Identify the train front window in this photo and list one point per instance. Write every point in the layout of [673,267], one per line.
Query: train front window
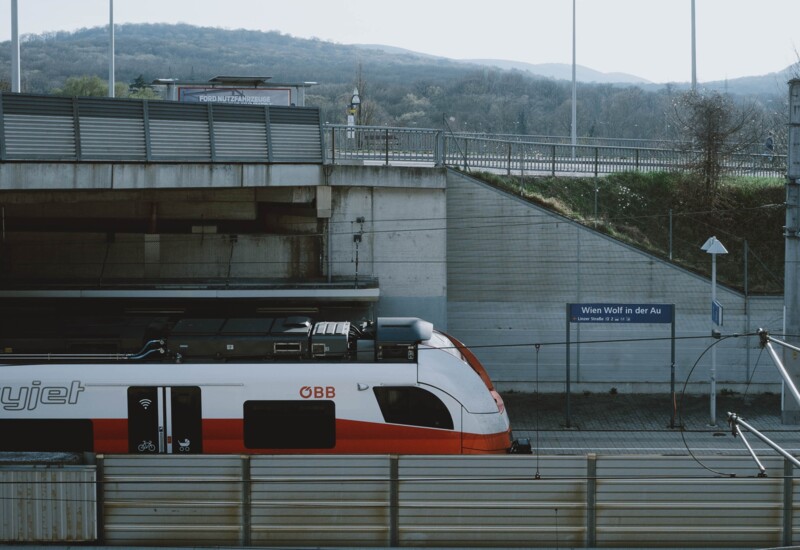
[289,424]
[442,342]
[412,406]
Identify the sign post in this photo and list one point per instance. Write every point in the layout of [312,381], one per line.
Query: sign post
[616,313]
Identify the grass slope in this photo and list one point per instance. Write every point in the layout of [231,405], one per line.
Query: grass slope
[664,214]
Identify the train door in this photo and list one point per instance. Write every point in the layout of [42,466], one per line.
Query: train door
[164,419]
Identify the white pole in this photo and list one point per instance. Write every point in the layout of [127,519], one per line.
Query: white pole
[110,48]
[694,52]
[15,72]
[713,420]
[574,132]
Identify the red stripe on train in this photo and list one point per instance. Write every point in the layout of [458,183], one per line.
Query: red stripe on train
[223,436]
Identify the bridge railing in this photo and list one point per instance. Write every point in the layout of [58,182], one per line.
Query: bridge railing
[387,145]
[50,128]
[382,144]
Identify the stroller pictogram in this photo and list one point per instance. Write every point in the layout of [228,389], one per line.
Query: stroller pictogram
[183,446]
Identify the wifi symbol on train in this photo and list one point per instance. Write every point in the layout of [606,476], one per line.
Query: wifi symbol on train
[145,403]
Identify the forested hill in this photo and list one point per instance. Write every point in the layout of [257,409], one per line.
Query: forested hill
[397,88]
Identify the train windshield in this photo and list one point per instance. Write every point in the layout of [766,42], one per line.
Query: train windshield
[451,345]
[442,342]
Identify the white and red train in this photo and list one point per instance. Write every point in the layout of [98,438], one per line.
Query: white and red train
[261,386]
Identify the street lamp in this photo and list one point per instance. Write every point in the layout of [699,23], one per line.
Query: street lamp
[713,246]
[574,126]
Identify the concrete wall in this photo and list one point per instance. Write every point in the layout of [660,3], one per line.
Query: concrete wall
[513,267]
[23,176]
[403,237]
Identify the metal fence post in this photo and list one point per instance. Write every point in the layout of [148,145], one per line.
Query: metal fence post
[788,502]
[2,131]
[670,234]
[438,151]
[596,160]
[148,146]
[554,160]
[333,145]
[508,166]
[76,123]
[591,500]
[212,141]
[247,503]
[394,501]
[386,134]
[268,128]
[100,498]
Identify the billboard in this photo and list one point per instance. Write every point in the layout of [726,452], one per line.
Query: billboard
[235,96]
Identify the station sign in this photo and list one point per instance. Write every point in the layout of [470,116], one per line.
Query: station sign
[620,313]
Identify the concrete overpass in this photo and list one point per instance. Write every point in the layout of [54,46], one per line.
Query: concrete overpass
[129,199]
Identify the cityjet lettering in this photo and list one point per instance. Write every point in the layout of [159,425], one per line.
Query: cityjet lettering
[30,397]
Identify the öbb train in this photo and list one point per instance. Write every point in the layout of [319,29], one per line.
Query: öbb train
[260,386]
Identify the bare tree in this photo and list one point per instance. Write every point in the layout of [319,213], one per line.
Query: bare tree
[715,129]
[794,70]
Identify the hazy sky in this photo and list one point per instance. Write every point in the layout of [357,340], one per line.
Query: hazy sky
[648,38]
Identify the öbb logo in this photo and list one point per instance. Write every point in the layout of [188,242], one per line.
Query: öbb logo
[317,392]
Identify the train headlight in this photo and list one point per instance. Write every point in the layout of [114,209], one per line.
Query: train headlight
[501,407]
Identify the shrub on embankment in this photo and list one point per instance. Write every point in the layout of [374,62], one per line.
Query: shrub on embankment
[667,215]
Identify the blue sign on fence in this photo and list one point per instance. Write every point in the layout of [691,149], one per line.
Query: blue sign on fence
[620,313]
[716,313]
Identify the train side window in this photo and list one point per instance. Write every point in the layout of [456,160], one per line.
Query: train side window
[413,406]
[289,424]
[47,435]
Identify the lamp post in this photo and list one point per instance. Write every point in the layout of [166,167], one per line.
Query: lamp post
[713,246]
[111,82]
[574,125]
[15,64]
[694,52]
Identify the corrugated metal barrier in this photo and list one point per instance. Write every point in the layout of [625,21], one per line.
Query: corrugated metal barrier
[48,504]
[49,128]
[436,501]
[448,501]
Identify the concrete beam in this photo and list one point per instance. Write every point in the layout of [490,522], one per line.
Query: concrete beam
[19,176]
[388,176]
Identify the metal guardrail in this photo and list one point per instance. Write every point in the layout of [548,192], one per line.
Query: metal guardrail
[403,501]
[387,145]
[51,128]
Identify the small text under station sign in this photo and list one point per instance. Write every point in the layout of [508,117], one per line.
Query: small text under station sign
[620,313]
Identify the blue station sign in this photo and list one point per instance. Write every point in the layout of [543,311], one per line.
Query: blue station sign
[620,313]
